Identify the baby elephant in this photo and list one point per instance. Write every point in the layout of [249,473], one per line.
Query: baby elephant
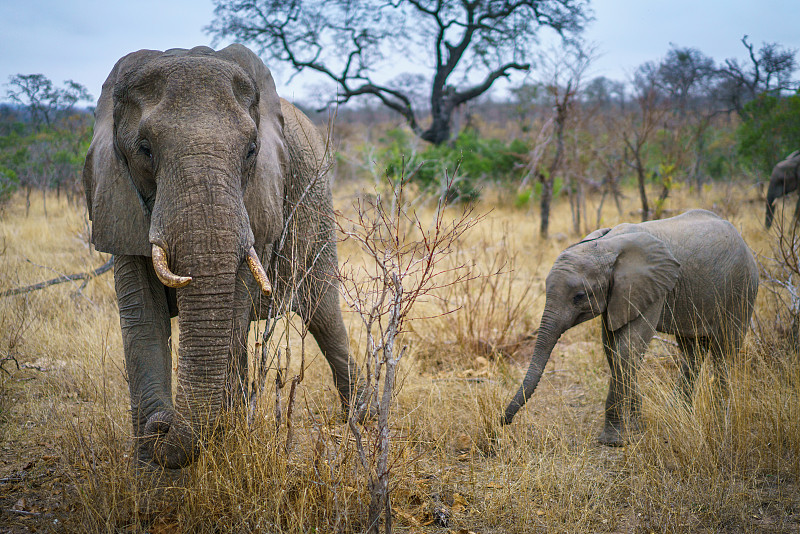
[691,275]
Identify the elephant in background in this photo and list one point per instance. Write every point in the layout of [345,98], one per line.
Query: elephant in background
[784,180]
[198,172]
[691,275]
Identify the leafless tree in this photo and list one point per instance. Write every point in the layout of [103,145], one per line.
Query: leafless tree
[684,75]
[562,71]
[636,128]
[769,70]
[404,259]
[472,44]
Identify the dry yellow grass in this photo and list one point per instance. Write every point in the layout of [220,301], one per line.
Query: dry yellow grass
[65,429]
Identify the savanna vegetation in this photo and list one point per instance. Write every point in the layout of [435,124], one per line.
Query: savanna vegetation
[524,178]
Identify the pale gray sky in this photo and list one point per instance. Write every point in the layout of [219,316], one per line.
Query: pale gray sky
[82,39]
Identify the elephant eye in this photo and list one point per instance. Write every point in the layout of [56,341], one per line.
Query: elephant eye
[144,149]
[579,297]
[251,150]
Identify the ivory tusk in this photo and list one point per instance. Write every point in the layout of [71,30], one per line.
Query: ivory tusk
[167,277]
[258,272]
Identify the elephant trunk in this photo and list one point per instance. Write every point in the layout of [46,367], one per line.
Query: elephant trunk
[549,332]
[207,244]
[780,184]
[770,212]
[206,323]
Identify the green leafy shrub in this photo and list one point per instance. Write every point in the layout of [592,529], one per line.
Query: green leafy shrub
[8,183]
[770,130]
[477,160]
[523,198]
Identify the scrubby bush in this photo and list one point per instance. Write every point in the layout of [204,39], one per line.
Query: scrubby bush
[478,160]
[770,130]
[8,183]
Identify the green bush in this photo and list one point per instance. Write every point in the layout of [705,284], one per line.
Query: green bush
[477,161]
[770,130]
[8,183]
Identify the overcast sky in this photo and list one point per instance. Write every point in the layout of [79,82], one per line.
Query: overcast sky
[82,39]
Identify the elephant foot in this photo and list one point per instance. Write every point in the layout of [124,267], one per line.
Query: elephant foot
[364,408]
[157,487]
[612,436]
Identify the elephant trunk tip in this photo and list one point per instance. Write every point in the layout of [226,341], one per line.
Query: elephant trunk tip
[506,419]
[171,450]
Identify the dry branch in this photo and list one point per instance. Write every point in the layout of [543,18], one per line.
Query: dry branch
[61,280]
[406,258]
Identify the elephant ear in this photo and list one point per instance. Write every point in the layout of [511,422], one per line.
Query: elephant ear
[263,198]
[788,167]
[644,272]
[597,234]
[120,224]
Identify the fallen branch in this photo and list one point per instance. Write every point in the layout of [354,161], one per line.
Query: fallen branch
[60,280]
[8,358]
[24,512]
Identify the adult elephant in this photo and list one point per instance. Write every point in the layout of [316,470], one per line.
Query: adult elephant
[784,179]
[691,275]
[198,172]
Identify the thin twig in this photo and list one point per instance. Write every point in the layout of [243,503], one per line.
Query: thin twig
[23,512]
[60,280]
[8,358]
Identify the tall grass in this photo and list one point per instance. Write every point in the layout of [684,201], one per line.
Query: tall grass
[730,463]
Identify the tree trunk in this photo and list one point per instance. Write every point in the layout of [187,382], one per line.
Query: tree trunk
[640,176]
[544,205]
[547,185]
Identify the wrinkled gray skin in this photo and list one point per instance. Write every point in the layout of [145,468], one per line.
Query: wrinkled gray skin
[784,180]
[691,275]
[194,151]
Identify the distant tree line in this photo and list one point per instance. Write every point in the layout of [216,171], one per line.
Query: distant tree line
[683,120]
[44,137]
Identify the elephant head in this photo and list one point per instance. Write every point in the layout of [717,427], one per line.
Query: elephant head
[784,180]
[187,165]
[617,275]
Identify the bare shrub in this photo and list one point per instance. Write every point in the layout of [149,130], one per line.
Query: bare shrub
[404,258]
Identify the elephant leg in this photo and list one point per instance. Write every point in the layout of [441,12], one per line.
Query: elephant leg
[325,323]
[693,350]
[145,322]
[635,423]
[624,348]
[723,349]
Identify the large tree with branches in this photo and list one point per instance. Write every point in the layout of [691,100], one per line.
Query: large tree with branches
[464,45]
[770,71]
